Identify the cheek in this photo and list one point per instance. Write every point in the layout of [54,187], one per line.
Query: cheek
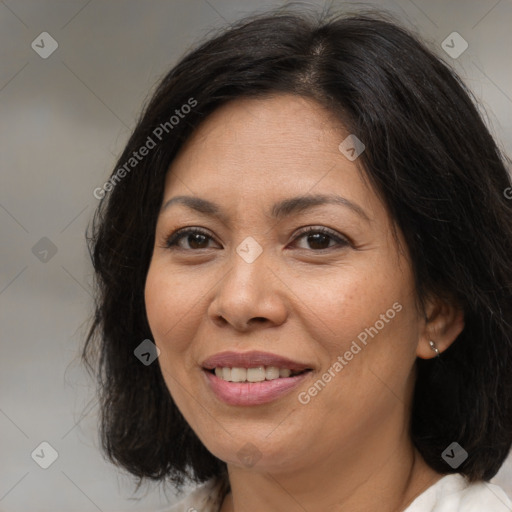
[157,299]
[166,309]
[345,302]
[174,308]
[373,308]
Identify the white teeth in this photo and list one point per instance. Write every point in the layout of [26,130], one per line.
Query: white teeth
[258,374]
[272,372]
[238,374]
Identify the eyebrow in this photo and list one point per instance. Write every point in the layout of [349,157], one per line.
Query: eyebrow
[278,211]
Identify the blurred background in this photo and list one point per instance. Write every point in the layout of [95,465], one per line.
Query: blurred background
[73,77]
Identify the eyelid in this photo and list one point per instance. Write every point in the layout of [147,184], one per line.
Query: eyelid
[179,234]
[341,239]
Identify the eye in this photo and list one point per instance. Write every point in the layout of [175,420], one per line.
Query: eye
[195,238]
[319,238]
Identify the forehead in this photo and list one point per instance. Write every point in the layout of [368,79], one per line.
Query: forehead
[283,139]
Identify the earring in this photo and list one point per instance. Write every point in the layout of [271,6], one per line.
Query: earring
[434,348]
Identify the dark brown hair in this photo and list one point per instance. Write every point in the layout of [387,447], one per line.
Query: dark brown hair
[428,155]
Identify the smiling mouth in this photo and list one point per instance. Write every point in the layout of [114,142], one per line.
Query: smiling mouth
[254,374]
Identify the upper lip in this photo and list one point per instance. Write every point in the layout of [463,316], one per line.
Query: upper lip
[251,360]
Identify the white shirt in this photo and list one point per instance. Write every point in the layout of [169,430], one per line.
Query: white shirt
[452,493]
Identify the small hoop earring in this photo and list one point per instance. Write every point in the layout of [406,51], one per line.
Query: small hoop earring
[434,348]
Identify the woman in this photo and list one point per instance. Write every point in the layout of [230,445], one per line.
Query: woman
[310,223]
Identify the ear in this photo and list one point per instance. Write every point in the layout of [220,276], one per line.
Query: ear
[444,321]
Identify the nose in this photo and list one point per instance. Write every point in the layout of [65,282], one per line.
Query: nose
[250,295]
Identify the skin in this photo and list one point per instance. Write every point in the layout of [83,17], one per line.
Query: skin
[348,448]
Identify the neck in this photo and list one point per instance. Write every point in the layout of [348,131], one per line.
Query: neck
[383,476]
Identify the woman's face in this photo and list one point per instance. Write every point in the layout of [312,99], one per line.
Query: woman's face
[254,288]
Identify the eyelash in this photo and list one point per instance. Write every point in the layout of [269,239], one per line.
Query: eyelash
[171,242]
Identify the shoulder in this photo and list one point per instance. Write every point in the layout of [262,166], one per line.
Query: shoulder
[453,493]
[205,498]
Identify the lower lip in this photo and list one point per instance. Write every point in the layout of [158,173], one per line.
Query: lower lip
[252,393]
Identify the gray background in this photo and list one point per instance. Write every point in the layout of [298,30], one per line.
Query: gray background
[64,120]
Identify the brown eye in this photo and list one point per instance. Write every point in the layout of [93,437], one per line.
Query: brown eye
[195,238]
[317,239]
[321,238]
